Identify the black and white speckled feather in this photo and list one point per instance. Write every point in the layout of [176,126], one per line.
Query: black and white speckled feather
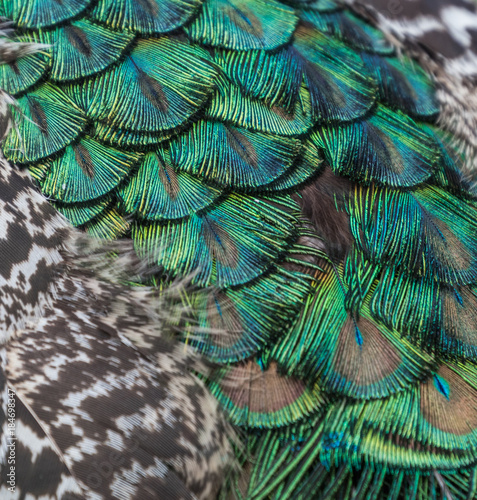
[105,408]
[31,236]
[445,29]
[122,421]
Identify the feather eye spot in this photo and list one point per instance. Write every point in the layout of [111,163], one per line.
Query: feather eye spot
[223,317]
[448,403]
[357,352]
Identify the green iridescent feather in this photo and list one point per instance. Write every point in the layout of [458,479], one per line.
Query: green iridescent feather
[47,122]
[329,344]
[403,85]
[339,84]
[84,48]
[243,24]
[161,84]
[21,74]
[439,317]
[231,106]
[82,213]
[458,316]
[270,76]
[41,13]
[349,29]
[360,276]
[86,170]
[214,245]
[388,148]
[434,423]
[441,227]
[159,191]
[145,16]
[124,138]
[309,165]
[450,170]
[228,155]
[108,224]
[235,323]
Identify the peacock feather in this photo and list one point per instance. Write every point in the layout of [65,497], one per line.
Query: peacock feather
[289,162]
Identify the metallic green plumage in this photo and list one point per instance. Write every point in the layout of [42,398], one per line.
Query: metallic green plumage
[284,158]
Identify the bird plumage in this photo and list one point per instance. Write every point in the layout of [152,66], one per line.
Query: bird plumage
[288,161]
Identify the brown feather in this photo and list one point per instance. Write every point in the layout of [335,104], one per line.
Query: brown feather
[331,223]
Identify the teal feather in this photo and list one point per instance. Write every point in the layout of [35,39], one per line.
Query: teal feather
[109,223]
[41,13]
[350,29]
[157,87]
[403,85]
[388,148]
[19,75]
[272,77]
[86,170]
[450,169]
[231,106]
[408,304]
[124,138]
[80,214]
[235,323]
[458,316]
[441,227]
[47,122]
[243,24]
[316,5]
[340,86]
[309,165]
[367,481]
[328,344]
[214,246]
[83,48]
[360,276]
[436,419]
[229,155]
[145,16]
[440,318]
[159,191]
